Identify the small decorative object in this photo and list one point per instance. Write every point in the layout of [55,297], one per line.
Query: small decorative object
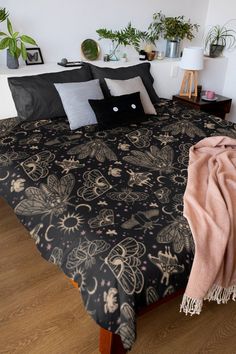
[173,29]
[142,55]
[69,64]
[219,38]
[15,45]
[199,90]
[34,56]
[124,58]
[191,62]
[160,55]
[209,96]
[127,36]
[151,55]
[106,57]
[90,49]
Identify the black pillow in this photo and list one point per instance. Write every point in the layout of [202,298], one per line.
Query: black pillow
[118,110]
[36,97]
[125,73]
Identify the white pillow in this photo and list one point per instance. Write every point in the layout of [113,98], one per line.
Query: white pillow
[75,96]
[123,87]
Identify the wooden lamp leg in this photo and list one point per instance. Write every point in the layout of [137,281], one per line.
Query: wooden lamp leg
[189,80]
[110,343]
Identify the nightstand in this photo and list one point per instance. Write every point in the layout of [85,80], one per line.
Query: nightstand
[218,108]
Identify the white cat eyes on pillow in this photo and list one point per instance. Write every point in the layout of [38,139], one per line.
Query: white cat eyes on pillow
[123,87]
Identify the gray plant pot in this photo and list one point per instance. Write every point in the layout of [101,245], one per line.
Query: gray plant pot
[12,62]
[216,50]
[173,48]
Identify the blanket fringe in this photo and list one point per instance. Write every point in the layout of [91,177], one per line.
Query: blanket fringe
[221,295]
[216,293]
[191,306]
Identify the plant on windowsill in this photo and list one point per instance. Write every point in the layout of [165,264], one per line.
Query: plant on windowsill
[219,38]
[127,36]
[15,45]
[173,29]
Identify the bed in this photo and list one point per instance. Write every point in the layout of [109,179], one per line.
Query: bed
[106,206]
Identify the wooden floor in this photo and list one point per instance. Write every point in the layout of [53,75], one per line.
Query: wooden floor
[41,313]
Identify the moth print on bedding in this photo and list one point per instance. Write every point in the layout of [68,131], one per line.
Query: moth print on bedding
[104,218]
[69,164]
[34,233]
[184,127]
[57,126]
[167,264]
[226,132]
[9,157]
[56,256]
[179,234]
[165,138]
[50,199]
[127,329]
[142,220]
[156,159]
[110,300]
[31,140]
[36,166]
[140,138]
[151,295]
[85,254]
[183,158]
[64,140]
[17,185]
[139,179]
[95,185]
[163,194]
[94,148]
[124,262]
[7,126]
[127,196]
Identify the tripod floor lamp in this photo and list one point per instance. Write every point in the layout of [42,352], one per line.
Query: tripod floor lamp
[191,62]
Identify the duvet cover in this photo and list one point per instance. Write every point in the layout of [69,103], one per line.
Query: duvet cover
[107,206]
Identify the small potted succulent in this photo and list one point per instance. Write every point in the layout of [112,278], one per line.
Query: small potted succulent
[219,38]
[173,29]
[15,45]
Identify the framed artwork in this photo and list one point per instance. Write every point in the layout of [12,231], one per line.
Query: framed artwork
[34,56]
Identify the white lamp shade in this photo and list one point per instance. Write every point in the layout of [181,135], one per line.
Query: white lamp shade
[192,59]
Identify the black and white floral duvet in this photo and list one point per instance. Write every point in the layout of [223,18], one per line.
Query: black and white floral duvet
[106,206]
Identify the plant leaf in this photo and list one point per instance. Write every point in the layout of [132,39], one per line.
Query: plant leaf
[4,43]
[28,39]
[3,34]
[9,27]
[23,51]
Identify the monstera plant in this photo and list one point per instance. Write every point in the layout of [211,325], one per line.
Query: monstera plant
[15,45]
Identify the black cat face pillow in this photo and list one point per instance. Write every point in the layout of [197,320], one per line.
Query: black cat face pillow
[118,110]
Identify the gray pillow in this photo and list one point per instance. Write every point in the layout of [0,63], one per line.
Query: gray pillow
[124,87]
[75,96]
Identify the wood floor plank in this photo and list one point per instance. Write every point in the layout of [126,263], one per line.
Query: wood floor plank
[41,313]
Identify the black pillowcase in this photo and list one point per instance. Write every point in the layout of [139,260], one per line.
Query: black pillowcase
[36,97]
[125,73]
[118,110]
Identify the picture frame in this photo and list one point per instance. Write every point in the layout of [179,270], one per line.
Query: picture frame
[34,56]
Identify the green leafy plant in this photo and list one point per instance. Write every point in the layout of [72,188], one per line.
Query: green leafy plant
[171,27]
[127,36]
[222,36]
[15,42]
[3,14]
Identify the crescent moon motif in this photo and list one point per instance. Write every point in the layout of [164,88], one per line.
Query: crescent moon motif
[91,292]
[46,234]
[166,212]
[3,179]
[83,205]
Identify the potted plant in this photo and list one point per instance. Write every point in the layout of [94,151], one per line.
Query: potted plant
[127,36]
[15,45]
[173,29]
[219,38]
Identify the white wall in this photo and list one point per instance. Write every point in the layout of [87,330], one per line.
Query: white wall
[220,12]
[60,26]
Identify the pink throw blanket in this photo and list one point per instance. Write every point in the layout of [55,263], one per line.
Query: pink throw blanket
[210,207]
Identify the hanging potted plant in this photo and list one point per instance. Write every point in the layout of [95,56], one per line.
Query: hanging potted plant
[15,45]
[173,29]
[127,36]
[219,38]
